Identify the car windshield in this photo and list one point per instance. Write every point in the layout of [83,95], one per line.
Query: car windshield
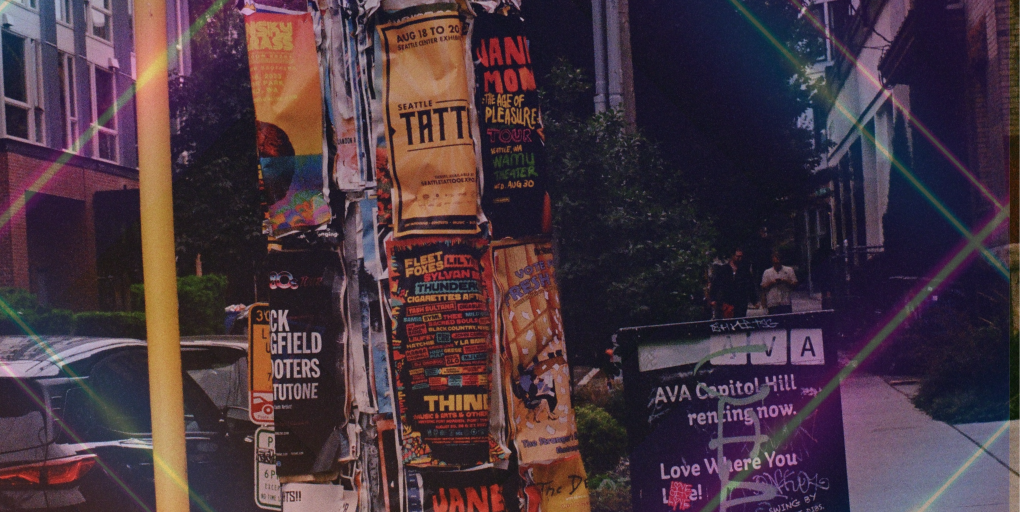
[21,416]
[119,400]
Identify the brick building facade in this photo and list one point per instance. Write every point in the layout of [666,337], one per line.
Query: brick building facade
[67,132]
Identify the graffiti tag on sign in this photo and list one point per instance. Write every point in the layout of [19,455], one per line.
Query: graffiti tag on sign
[267,483]
[722,418]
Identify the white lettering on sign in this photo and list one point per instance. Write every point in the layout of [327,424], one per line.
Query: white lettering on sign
[278,320]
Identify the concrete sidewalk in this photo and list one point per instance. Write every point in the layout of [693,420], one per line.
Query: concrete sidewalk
[900,460]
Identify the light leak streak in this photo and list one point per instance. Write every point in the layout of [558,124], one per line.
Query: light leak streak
[13,315]
[48,172]
[963,468]
[966,465]
[881,336]
[959,226]
[818,25]
[40,401]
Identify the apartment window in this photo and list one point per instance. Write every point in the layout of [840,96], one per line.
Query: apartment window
[99,19]
[64,13]
[105,114]
[16,107]
[68,102]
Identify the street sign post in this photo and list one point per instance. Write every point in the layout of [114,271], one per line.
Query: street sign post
[267,483]
[730,415]
[260,366]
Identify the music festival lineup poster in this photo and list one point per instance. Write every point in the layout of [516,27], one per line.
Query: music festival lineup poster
[428,118]
[440,349]
[288,117]
[536,375]
[719,405]
[308,354]
[510,126]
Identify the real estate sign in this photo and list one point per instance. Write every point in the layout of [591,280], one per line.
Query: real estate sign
[735,415]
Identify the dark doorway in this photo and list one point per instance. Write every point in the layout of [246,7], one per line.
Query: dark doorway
[60,267]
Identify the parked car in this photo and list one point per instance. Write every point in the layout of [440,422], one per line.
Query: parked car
[75,427]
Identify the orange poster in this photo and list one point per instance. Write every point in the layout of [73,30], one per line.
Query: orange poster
[536,378]
[428,117]
[288,113]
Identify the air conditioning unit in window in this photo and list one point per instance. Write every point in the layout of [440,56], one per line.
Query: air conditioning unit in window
[113,64]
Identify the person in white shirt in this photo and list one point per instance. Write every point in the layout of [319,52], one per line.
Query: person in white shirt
[776,283]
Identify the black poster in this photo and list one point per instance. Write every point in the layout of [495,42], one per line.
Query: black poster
[478,490]
[510,124]
[306,340]
[741,404]
[440,349]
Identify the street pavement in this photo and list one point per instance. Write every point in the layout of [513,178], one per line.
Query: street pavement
[900,460]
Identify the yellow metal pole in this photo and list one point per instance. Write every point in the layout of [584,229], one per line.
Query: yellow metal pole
[160,272]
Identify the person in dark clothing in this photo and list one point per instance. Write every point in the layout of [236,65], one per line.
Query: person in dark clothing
[732,287]
[824,266]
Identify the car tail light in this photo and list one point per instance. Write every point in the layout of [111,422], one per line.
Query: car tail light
[51,472]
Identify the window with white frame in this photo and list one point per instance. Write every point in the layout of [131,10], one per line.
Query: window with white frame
[104,113]
[99,17]
[64,13]
[68,101]
[23,116]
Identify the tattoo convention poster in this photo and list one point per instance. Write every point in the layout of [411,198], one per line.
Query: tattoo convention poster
[288,112]
[561,486]
[428,119]
[477,490]
[440,349]
[735,404]
[308,354]
[510,126]
[536,379]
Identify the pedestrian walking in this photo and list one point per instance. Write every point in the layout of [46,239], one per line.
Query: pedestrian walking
[732,287]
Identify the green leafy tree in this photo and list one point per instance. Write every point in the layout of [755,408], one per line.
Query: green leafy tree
[601,439]
[632,246]
[716,86]
[216,199]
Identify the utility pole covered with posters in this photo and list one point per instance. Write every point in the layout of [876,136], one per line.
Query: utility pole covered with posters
[415,341]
